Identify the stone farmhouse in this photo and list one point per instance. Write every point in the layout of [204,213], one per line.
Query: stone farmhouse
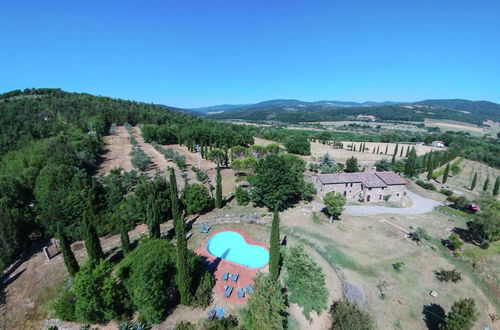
[362,186]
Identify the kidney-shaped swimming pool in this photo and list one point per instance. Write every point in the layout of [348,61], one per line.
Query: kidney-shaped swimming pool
[232,246]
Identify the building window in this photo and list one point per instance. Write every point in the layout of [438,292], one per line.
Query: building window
[346,184]
[379,197]
[362,187]
[369,188]
[397,194]
[345,193]
[351,184]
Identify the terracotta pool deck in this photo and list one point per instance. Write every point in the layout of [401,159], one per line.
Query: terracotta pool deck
[220,266]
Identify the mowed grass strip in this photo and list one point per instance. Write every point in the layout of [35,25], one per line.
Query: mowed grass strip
[335,255]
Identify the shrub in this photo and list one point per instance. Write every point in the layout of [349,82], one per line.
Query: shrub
[446,192]
[184,325]
[348,316]
[426,185]
[139,158]
[298,145]
[148,275]
[420,234]
[200,175]
[203,294]
[196,198]
[398,266]
[64,305]
[242,196]
[455,242]
[99,297]
[463,315]
[448,276]
[227,323]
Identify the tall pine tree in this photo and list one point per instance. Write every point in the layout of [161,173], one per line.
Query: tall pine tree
[429,169]
[402,150]
[496,187]
[474,181]
[174,196]
[446,173]
[218,189]
[90,236]
[124,239]
[386,149]
[275,255]
[68,256]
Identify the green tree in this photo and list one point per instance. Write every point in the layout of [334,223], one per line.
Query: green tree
[99,297]
[411,163]
[277,182]
[242,196]
[351,165]
[485,228]
[474,181]
[496,186]
[305,281]
[298,144]
[184,277]
[218,156]
[196,198]
[429,170]
[446,173]
[334,203]
[174,196]
[90,236]
[275,252]
[394,154]
[462,316]
[269,298]
[486,184]
[386,149]
[218,189]
[148,274]
[348,316]
[68,256]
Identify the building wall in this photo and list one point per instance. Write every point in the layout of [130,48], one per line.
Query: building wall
[353,192]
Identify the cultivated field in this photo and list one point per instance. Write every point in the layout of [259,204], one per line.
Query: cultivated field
[461,182]
[367,158]
[452,125]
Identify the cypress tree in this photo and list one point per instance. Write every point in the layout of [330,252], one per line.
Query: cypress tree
[373,149]
[124,239]
[496,187]
[411,162]
[446,173]
[395,153]
[90,236]
[183,278]
[474,181]
[378,150]
[218,189]
[174,196]
[386,149]
[402,149]
[152,216]
[486,183]
[68,255]
[424,161]
[274,254]
[408,151]
[429,170]
[354,147]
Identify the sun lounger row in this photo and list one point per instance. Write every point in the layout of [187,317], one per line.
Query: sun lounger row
[204,229]
[241,291]
[228,277]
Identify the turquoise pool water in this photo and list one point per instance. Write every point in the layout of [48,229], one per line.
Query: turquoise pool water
[232,246]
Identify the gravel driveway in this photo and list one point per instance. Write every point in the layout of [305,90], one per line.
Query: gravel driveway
[420,205]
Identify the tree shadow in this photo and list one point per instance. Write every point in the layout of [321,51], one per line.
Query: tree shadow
[466,234]
[434,315]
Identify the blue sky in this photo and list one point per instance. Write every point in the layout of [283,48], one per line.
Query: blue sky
[198,53]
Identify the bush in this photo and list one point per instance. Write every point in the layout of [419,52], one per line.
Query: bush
[99,296]
[148,274]
[455,242]
[420,234]
[227,323]
[139,158]
[196,198]
[242,196]
[446,192]
[200,175]
[426,185]
[348,316]
[184,325]
[203,294]
[64,305]
[398,266]
[448,276]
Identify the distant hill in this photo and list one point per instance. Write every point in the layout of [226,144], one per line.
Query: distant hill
[293,111]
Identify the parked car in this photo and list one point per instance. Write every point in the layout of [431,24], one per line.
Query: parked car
[473,208]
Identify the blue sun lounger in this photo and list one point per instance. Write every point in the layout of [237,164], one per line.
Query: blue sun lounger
[234,278]
[249,289]
[225,276]
[204,229]
[241,293]
[229,290]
